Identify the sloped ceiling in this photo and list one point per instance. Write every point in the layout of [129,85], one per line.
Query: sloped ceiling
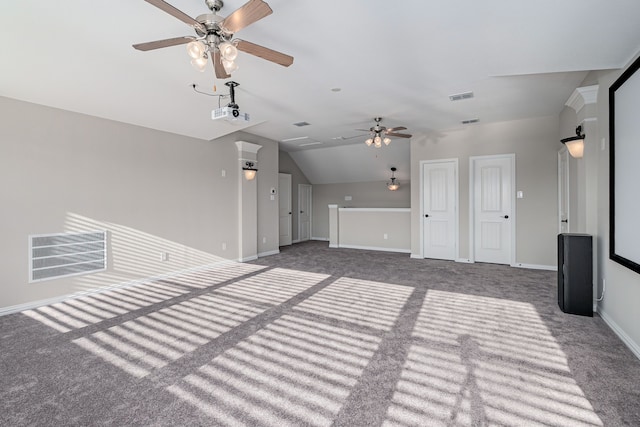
[397,60]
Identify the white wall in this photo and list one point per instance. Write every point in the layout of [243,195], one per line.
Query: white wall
[386,229]
[363,195]
[154,191]
[620,305]
[535,143]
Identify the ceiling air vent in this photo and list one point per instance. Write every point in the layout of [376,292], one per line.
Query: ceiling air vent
[300,124]
[461,96]
[469,121]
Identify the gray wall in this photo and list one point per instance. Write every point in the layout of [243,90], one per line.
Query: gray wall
[288,165]
[535,143]
[620,304]
[153,191]
[364,195]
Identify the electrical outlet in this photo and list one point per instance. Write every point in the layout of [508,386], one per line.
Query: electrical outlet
[224,246]
[264,240]
[386,236]
[164,256]
[224,173]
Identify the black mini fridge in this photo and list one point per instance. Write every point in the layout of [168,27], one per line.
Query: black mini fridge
[575,273]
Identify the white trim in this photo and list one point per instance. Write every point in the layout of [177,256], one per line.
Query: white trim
[376,248]
[564,152]
[375,209]
[295,241]
[39,303]
[513,215]
[268,253]
[332,206]
[416,256]
[535,266]
[582,96]
[333,246]
[455,161]
[287,178]
[633,346]
[464,260]
[249,258]
[322,239]
[300,187]
[247,147]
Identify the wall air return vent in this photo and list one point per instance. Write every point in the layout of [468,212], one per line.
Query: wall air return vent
[52,256]
[469,121]
[461,96]
[300,124]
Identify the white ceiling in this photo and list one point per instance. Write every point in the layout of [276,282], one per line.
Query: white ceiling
[397,60]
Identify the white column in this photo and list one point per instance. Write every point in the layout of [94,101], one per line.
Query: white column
[333,226]
[248,203]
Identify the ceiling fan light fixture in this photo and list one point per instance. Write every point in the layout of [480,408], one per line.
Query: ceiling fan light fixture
[386,140]
[200,63]
[228,51]
[196,49]
[369,142]
[229,65]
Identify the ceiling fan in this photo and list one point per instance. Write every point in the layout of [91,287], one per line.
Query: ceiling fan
[379,134]
[214,36]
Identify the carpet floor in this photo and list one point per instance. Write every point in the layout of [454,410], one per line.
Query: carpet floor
[319,337]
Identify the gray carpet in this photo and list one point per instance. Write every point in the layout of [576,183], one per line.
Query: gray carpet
[319,337]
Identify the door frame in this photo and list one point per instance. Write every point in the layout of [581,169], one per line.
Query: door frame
[289,178]
[456,198]
[563,152]
[472,229]
[300,187]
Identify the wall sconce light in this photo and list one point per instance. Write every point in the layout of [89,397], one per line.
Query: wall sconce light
[393,185]
[575,144]
[249,171]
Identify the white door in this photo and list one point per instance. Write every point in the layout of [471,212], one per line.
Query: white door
[563,191]
[439,209]
[493,211]
[304,215]
[284,208]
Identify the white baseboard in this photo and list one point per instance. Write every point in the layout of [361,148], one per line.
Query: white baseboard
[416,256]
[633,346]
[535,266]
[322,239]
[39,303]
[464,260]
[376,248]
[333,246]
[296,241]
[249,258]
[274,252]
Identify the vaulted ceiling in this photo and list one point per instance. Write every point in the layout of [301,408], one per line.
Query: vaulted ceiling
[354,60]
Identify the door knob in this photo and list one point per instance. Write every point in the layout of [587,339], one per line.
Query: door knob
[564,220]
[301,211]
[506,217]
[426,215]
[289,213]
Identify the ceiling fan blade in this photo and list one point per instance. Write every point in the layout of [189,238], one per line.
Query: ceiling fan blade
[364,130]
[221,73]
[398,135]
[396,128]
[250,12]
[265,53]
[163,43]
[166,7]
